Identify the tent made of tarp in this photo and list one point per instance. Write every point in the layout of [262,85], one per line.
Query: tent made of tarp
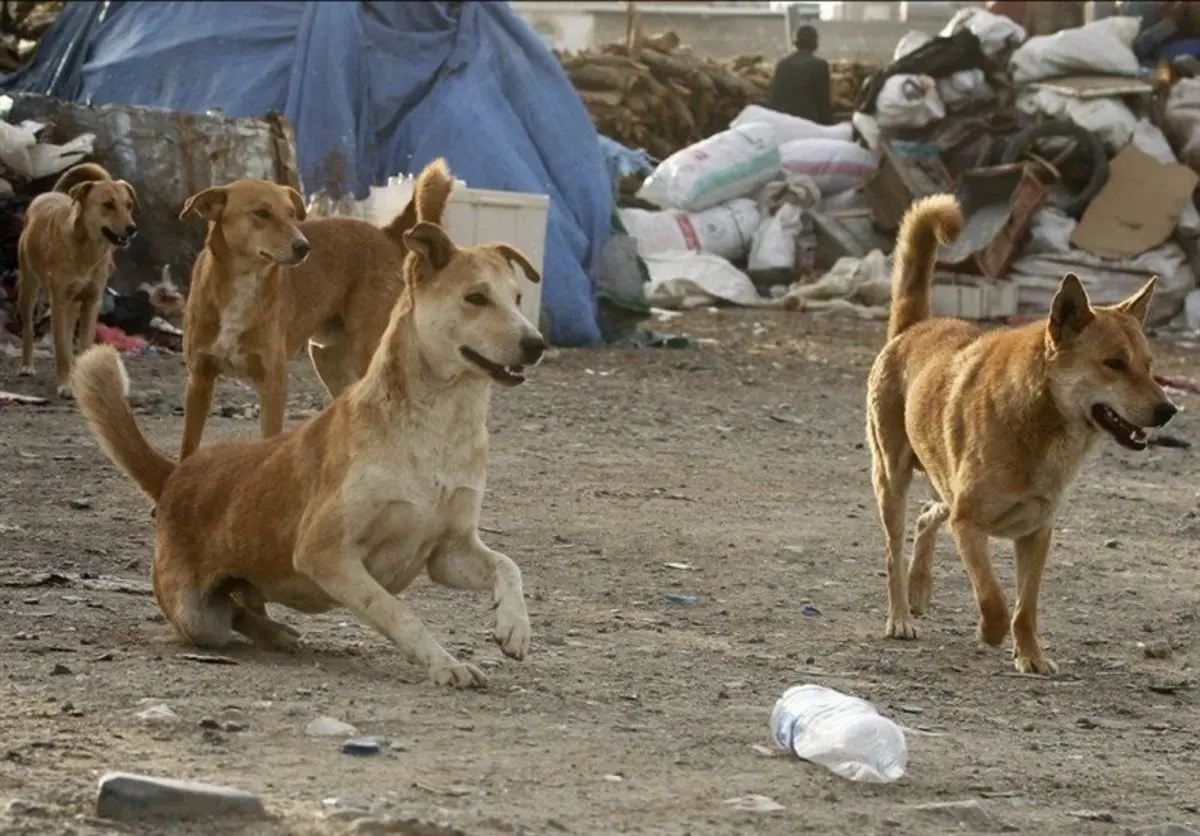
[372,89]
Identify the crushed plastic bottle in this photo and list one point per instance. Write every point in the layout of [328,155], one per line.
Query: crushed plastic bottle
[842,733]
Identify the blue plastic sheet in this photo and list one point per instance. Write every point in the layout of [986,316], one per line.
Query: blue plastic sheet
[372,90]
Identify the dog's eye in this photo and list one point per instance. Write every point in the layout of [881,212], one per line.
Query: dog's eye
[110,204]
[476,299]
[262,213]
[1116,364]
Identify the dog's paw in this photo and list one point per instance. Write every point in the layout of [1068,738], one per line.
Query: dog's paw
[920,593]
[25,371]
[1034,663]
[899,628]
[513,632]
[65,391]
[993,626]
[458,675]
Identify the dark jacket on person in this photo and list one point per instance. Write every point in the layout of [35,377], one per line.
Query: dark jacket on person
[800,87]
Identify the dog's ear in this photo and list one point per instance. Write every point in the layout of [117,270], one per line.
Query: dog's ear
[80,191]
[1138,305]
[208,204]
[297,203]
[1070,312]
[129,191]
[514,256]
[432,246]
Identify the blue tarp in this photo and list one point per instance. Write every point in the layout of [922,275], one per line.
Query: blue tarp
[371,89]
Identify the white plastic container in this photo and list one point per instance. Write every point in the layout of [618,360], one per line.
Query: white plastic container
[842,733]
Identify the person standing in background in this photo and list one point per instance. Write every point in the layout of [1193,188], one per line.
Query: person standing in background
[800,86]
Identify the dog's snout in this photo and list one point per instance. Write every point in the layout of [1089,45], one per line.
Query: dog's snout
[301,248]
[131,230]
[1164,412]
[532,348]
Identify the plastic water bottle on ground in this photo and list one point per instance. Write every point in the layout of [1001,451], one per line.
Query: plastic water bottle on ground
[843,733]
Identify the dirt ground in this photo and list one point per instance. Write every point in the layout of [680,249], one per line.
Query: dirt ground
[741,460]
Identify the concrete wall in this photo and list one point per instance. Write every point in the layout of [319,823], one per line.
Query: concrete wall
[732,34]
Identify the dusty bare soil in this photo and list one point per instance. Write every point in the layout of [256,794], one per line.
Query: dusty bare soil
[635,713]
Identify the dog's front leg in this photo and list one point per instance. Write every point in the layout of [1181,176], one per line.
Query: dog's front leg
[63,316]
[344,577]
[272,397]
[972,543]
[1030,552]
[469,564]
[196,404]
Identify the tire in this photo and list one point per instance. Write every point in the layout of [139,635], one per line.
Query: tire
[1089,142]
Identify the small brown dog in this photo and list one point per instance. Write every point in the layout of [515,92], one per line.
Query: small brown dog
[66,249]
[1000,422]
[252,303]
[347,509]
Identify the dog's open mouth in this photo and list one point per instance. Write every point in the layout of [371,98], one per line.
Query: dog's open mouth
[115,239]
[1126,434]
[506,375]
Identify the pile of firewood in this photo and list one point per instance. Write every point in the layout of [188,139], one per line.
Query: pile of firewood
[22,25]
[658,96]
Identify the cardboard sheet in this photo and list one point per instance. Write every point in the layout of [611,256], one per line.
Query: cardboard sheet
[1137,209]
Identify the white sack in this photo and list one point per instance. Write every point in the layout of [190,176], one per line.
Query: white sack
[960,90]
[834,165]
[690,280]
[1103,47]
[788,127]
[732,164]
[1109,118]
[724,230]
[909,101]
[1182,118]
[775,241]
[997,34]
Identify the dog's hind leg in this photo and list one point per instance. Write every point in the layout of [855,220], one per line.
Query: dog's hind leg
[27,294]
[203,617]
[1030,552]
[474,566]
[892,471]
[251,620]
[920,567]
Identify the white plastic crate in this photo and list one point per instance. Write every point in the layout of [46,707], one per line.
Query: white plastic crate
[480,216]
[973,297]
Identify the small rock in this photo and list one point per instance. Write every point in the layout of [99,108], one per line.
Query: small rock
[684,600]
[60,670]
[23,807]
[1159,649]
[1087,723]
[233,726]
[614,779]
[209,723]
[1092,815]
[1112,544]
[1166,830]
[80,504]
[127,797]
[755,804]
[158,715]
[970,813]
[329,727]
[912,709]
[361,747]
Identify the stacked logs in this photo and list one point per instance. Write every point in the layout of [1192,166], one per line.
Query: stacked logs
[659,96]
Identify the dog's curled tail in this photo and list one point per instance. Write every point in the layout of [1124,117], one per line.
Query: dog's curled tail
[82,173]
[101,387]
[929,223]
[431,193]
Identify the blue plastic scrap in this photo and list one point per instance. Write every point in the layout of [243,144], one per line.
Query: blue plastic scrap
[371,90]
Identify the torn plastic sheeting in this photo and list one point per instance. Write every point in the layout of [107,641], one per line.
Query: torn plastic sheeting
[1037,278]
[168,156]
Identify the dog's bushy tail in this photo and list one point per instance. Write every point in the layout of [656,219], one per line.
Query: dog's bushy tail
[101,387]
[929,223]
[82,173]
[430,195]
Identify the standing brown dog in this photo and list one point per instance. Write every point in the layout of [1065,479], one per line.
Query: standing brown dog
[66,249]
[1000,422]
[253,303]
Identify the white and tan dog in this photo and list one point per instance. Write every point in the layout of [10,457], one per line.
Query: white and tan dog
[347,509]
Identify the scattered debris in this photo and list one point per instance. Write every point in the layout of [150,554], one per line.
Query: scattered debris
[329,727]
[755,804]
[362,747]
[969,813]
[683,600]
[207,659]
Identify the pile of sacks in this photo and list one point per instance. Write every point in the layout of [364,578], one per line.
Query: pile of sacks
[739,199]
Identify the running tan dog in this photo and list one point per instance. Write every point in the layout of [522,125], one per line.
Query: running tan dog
[66,249]
[349,507]
[253,303]
[1000,422]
